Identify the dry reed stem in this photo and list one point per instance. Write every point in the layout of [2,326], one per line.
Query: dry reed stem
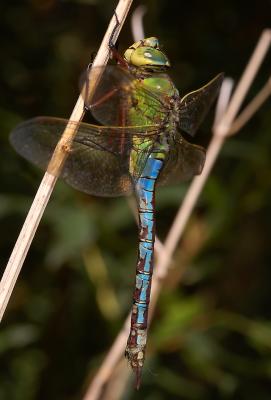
[220,131]
[137,23]
[48,182]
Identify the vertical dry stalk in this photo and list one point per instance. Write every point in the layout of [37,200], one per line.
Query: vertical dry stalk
[137,23]
[220,131]
[48,182]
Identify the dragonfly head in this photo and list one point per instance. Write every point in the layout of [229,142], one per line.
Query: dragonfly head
[147,54]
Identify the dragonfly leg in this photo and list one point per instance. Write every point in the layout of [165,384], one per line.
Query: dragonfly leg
[111,39]
[145,193]
[113,47]
[88,106]
[100,101]
[86,88]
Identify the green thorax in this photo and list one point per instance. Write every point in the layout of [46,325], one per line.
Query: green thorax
[152,96]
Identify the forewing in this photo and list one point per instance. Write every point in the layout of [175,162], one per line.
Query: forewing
[98,161]
[117,96]
[195,105]
[185,160]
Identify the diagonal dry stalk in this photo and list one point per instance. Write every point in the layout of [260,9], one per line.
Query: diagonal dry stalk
[48,182]
[251,108]
[222,129]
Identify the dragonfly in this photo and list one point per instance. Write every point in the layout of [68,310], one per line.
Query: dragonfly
[138,146]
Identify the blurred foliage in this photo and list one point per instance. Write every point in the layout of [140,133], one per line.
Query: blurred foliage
[211,336]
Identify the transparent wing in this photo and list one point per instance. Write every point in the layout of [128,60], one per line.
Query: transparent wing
[195,105]
[185,160]
[98,162]
[119,99]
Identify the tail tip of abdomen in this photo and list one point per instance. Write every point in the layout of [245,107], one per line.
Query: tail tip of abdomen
[135,357]
[138,373]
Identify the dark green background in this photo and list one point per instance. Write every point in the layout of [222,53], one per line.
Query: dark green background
[211,336]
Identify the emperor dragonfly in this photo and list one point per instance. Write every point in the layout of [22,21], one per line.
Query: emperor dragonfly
[138,146]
